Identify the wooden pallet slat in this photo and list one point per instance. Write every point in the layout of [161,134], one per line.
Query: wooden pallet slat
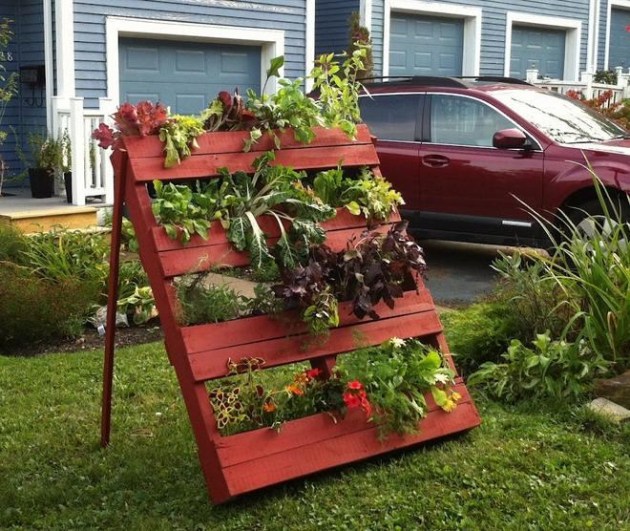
[240,463]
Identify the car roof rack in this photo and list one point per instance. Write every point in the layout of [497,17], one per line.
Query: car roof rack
[497,79]
[416,80]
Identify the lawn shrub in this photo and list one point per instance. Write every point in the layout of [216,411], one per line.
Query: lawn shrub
[12,243]
[479,333]
[34,309]
[59,256]
[550,369]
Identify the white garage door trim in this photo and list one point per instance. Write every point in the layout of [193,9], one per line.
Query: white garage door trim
[612,4]
[572,44]
[270,41]
[472,28]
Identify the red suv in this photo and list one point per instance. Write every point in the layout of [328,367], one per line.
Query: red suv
[467,154]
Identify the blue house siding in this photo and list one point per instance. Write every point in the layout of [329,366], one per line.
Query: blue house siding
[90,17]
[493,26]
[26,112]
[331,25]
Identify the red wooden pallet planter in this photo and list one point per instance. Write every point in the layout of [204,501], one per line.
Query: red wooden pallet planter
[240,463]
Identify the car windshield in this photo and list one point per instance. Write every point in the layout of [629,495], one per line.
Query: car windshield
[563,119]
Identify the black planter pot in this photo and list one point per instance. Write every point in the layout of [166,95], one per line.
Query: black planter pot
[42,182]
[67,181]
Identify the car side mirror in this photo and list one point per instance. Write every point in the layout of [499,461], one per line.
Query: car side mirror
[510,139]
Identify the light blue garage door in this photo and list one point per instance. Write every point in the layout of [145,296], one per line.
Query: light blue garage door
[619,51]
[185,76]
[425,46]
[539,48]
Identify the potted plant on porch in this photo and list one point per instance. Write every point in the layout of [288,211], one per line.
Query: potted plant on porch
[45,159]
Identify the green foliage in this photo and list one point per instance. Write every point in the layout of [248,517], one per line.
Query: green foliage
[533,300]
[360,37]
[593,270]
[479,333]
[339,89]
[368,194]
[524,468]
[183,212]
[44,152]
[203,303]
[179,135]
[387,382]
[12,243]
[552,369]
[396,375]
[69,255]
[36,309]
[609,77]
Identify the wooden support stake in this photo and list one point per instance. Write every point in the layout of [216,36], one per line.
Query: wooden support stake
[112,299]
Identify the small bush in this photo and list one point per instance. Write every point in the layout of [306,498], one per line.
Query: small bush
[34,309]
[12,243]
[550,369]
[479,333]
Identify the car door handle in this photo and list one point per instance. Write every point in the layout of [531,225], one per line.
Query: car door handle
[435,161]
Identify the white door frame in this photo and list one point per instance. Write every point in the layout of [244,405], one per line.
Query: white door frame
[472,28]
[270,41]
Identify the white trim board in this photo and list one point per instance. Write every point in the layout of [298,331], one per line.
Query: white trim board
[309,49]
[270,41]
[573,29]
[623,4]
[472,28]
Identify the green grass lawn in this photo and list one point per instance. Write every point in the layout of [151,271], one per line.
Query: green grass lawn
[525,468]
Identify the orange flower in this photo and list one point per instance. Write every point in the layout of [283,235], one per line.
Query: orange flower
[269,407]
[295,390]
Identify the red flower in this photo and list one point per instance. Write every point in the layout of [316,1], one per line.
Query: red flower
[105,136]
[351,400]
[355,385]
[313,373]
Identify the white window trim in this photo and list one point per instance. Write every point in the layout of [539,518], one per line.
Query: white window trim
[64,43]
[271,42]
[623,4]
[365,14]
[572,43]
[472,28]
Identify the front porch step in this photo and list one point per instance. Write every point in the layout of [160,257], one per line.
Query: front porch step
[70,217]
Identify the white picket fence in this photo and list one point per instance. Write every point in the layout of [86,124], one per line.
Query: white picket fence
[92,173]
[586,85]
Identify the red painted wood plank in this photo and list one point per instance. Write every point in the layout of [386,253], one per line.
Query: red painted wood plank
[343,220]
[234,141]
[248,330]
[253,445]
[336,451]
[281,351]
[218,252]
[312,158]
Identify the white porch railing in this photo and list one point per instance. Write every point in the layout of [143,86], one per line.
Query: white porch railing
[586,85]
[92,174]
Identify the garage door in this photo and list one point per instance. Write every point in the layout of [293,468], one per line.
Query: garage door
[619,51]
[185,76]
[422,45]
[539,48]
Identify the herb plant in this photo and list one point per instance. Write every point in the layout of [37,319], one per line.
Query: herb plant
[368,194]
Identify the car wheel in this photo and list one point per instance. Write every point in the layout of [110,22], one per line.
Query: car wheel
[589,220]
